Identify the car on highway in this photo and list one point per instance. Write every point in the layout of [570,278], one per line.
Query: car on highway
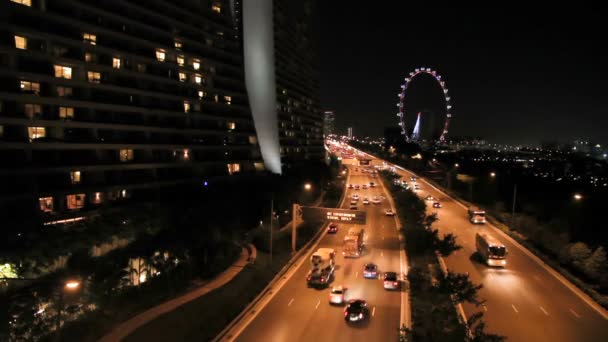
[370,271]
[390,281]
[389,212]
[355,197]
[337,295]
[332,228]
[413,178]
[353,206]
[357,187]
[436,204]
[416,187]
[365,200]
[364,186]
[356,169]
[356,311]
[350,186]
[429,198]
[372,184]
[375,200]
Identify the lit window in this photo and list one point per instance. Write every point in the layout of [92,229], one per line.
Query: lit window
[27,86]
[89,38]
[196,64]
[123,193]
[253,139]
[66,113]
[32,110]
[182,77]
[141,67]
[186,107]
[198,78]
[216,98]
[88,57]
[180,60]
[126,155]
[228,99]
[116,63]
[201,94]
[234,168]
[178,45]
[97,198]
[160,55]
[75,201]
[64,91]
[216,8]
[231,125]
[186,154]
[27,3]
[63,72]
[46,204]
[93,76]
[75,177]
[20,42]
[36,132]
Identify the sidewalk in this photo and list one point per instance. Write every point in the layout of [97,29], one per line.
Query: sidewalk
[124,329]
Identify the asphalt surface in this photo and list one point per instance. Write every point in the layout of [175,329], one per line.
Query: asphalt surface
[300,313]
[524,301]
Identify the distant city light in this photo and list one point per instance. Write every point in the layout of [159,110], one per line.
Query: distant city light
[492,174]
[205,183]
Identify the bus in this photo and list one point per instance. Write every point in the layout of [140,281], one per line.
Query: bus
[352,244]
[491,250]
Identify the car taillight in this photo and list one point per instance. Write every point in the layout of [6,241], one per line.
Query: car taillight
[361,315]
[345,313]
[395,283]
[322,279]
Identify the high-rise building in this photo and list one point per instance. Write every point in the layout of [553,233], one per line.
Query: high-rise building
[329,123]
[282,80]
[106,100]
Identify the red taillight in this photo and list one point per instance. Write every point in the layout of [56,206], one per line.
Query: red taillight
[396,283]
[345,313]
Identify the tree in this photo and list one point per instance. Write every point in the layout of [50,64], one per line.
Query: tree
[429,220]
[579,252]
[459,285]
[477,327]
[447,245]
[595,266]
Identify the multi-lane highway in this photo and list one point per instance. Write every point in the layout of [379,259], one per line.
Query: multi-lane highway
[525,301]
[299,313]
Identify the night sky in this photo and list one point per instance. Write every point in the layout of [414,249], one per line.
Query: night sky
[514,76]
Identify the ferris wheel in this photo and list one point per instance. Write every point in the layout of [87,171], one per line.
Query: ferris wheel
[415,134]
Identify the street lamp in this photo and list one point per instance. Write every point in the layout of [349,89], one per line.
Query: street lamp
[72,285]
[578,197]
[492,174]
[307,186]
[456,165]
[294,219]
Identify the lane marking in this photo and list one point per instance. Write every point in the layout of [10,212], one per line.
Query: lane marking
[373,311]
[291,301]
[318,302]
[381,253]
[543,310]
[485,308]
[574,313]
[514,308]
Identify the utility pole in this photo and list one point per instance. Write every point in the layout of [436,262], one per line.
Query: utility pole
[294,225]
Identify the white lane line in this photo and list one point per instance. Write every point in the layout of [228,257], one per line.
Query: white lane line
[318,302]
[485,308]
[514,308]
[373,311]
[544,311]
[291,301]
[575,314]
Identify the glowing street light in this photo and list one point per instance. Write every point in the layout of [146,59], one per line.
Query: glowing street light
[492,174]
[578,197]
[307,186]
[72,285]
[456,165]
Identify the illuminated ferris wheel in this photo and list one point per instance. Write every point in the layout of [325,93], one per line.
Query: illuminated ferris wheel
[415,134]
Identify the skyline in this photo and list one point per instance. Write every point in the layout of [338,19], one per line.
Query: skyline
[511,81]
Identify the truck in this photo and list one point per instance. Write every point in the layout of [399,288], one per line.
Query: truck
[477,215]
[491,250]
[323,263]
[352,245]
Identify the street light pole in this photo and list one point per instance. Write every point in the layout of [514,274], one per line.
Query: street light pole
[513,207]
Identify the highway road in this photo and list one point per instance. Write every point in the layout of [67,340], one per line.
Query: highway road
[524,301]
[300,313]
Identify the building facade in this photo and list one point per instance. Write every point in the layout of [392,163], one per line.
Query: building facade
[101,101]
[329,122]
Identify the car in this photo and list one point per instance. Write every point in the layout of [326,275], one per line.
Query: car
[355,197]
[337,295]
[365,201]
[350,186]
[332,228]
[356,169]
[364,186]
[353,207]
[416,187]
[372,184]
[429,198]
[356,310]
[389,212]
[375,200]
[436,205]
[413,178]
[370,271]
[390,281]
[357,187]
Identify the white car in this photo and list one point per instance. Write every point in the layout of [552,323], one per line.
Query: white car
[363,186]
[376,200]
[416,187]
[365,201]
[337,295]
[389,212]
[429,198]
[355,197]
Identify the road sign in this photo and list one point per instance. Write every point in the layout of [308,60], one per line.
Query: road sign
[333,215]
